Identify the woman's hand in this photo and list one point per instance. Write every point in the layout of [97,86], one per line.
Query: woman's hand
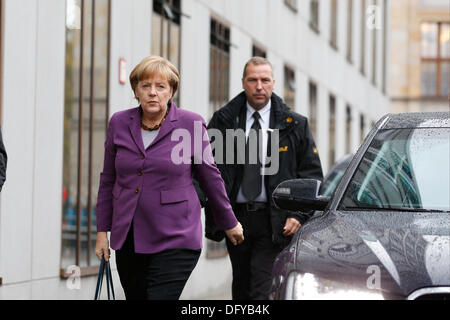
[102,246]
[236,235]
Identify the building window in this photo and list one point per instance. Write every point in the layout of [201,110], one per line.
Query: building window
[258,52]
[292,4]
[333,23]
[362,127]
[218,96]
[85,122]
[219,65]
[332,127]
[289,87]
[348,129]
[435,59]
[385,51]
[362,67]
[166,32]
[313,108]
[349,30]
[314,15]
[374,50]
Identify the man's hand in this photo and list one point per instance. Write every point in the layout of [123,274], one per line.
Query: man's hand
[291,227]
[236,235]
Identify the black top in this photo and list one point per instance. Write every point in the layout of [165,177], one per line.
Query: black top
[3,161]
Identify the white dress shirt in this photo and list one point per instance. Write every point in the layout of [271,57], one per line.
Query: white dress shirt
[264,122]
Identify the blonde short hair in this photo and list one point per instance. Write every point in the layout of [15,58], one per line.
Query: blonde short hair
[256,61]
[155,65]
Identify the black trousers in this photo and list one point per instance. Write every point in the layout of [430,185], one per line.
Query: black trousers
[252,260]
[158,276]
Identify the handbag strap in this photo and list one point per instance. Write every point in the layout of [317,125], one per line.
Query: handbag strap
[101,271]
[109,282]
[105,267]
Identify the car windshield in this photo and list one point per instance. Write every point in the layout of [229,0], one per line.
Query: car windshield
[403,169]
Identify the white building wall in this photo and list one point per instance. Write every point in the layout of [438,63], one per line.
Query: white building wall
[48,123]
[241,49]
[194,94]
[17,196]
[301,93]
[30,216]
[211,277]
[130,40]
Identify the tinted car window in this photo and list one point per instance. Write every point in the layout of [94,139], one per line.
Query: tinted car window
[403,168]
[331,183]
[334,176]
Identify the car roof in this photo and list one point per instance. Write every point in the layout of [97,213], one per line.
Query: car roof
[416,120]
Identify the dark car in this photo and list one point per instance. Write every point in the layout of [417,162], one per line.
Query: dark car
[385,232]
[334,176]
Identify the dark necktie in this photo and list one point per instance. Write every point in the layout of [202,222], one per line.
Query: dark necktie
[251,182]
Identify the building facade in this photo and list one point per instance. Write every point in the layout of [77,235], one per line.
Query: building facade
[64,72]
[420,55]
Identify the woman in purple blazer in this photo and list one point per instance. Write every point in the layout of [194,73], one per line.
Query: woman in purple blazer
[146,197]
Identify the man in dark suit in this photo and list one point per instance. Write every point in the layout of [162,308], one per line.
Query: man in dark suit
[250,185]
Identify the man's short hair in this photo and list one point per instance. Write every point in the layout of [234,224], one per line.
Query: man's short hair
[256,61]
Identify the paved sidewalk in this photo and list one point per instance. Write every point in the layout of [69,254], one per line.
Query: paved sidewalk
[224,296]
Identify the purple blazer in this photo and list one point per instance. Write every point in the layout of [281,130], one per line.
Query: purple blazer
[152,189]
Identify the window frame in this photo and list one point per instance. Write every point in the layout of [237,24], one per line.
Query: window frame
[362,63]
[349,45]
[362,127]
[289,75]
[313,107]
[374,51]
[332,130]
[165,43]
[438,61]
[258,51]
[314,15]
[334,16]
[292,4]
[220,47]
[91,268]
[219,92]
[348,128]
[384,57]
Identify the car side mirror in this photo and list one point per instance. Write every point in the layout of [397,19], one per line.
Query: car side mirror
[300,195]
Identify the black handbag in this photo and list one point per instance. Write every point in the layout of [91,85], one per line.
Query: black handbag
[105,268]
